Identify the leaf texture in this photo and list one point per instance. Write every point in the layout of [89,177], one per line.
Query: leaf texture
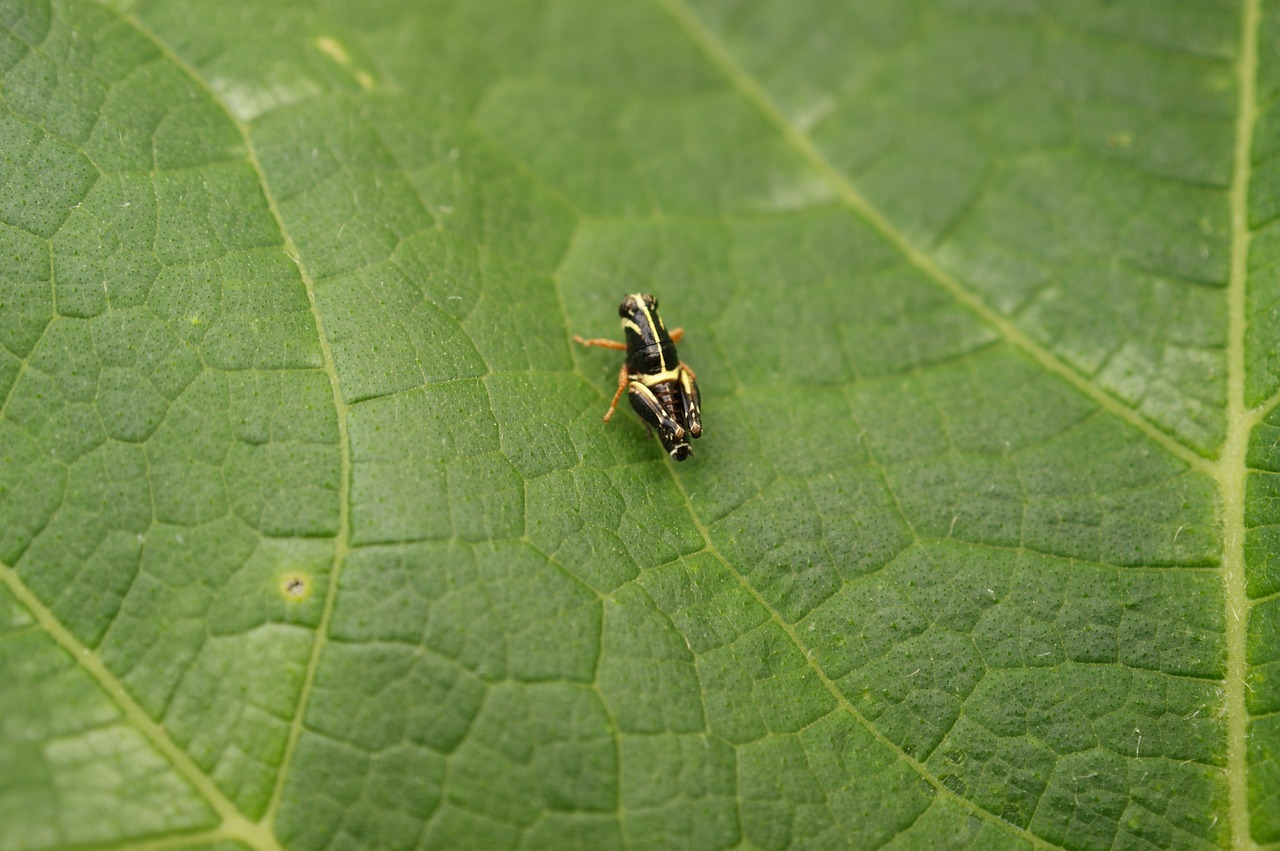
[310,534]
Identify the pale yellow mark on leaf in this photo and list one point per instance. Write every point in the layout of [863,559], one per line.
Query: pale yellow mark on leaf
[332,48]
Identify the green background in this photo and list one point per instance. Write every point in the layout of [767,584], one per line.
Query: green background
[311,536]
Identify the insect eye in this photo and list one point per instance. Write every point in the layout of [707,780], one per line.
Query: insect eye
[651,302]
[627,307]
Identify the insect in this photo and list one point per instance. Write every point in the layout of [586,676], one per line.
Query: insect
[663,391]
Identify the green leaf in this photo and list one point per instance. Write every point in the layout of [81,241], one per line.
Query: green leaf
[311,536]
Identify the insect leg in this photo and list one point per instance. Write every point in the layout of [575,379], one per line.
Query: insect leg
[677,334]
[674,437]
[651,411]
[623,378]
[690,401]
[601,342]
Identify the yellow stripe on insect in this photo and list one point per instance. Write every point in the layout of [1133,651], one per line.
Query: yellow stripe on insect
[648,380]
[655,327]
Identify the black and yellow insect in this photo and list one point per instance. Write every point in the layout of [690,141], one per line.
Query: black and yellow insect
[663,391]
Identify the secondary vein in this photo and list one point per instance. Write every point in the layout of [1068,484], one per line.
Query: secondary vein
[1231,472]
[917,257]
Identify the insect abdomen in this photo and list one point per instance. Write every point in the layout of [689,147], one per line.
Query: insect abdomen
[668,393]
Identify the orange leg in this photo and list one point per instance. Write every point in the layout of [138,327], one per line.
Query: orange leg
[677,335]
[692,376]
[601,342]
[624,378]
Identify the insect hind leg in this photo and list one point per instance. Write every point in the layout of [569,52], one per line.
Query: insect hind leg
[651,411]
[674,437]
[624,377]
[601,342]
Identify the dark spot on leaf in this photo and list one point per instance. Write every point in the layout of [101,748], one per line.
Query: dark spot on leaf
[295,586]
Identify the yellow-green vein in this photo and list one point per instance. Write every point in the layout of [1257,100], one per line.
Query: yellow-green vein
[1231,470]
[234,824]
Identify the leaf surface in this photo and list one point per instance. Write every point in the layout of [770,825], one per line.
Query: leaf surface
[310,534]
